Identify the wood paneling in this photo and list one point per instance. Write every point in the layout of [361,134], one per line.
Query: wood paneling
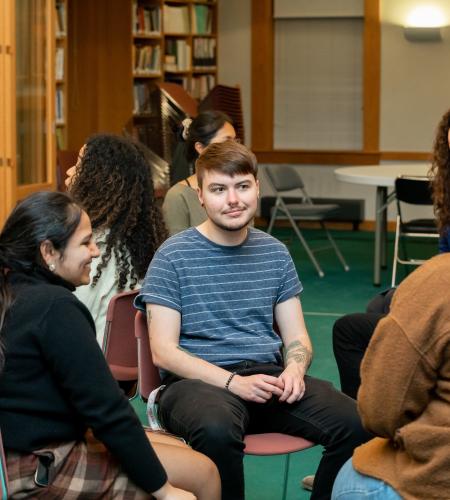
[262,75]
[318,157]
[100,73]
[371,75]
[405,156]
[263,92]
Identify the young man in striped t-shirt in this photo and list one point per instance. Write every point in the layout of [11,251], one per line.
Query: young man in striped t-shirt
[212,294]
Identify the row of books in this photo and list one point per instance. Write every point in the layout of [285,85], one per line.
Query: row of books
[176,19]
[146,19]
[147,59]
[60,19]
[177,55]
[202,17]
[198,86]
[141,99]
[60,141]
[204,52]
[59,111]
[59,63]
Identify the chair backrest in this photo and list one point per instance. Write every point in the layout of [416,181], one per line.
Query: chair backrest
[284,178]
[119,342]
[3,471]
[413,190]
[149,377]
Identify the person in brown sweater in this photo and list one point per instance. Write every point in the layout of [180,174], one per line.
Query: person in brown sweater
[404,398]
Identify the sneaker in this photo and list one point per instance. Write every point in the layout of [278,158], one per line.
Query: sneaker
[308,482]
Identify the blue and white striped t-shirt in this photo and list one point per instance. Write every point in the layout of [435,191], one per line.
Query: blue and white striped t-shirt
[226,295]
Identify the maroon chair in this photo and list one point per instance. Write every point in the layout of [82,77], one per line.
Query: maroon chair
[269,443]
[119,342]
[148,378]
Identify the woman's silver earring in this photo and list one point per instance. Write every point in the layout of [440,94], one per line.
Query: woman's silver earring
[52,267]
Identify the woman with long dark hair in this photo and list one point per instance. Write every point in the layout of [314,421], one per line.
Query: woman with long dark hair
[112,182]
[181,207]
[68,430]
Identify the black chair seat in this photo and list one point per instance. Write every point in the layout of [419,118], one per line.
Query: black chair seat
[305,210]
[425,226]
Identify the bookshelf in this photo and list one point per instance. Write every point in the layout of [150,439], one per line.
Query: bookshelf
[61,51]
[173,41]
[118,50]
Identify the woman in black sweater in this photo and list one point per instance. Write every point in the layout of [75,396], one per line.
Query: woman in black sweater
[67,428]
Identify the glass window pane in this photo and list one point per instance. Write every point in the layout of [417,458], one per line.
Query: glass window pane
[31,91]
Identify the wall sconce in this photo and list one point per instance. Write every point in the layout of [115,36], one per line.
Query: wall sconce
[422,33]
[424,24]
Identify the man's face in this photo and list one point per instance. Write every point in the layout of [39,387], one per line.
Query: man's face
[230,202]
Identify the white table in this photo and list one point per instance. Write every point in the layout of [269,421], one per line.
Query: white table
[383,177]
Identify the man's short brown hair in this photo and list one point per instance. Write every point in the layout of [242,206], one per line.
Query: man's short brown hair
[228,157]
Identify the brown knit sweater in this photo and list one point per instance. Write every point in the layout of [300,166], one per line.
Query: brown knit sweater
[405,391]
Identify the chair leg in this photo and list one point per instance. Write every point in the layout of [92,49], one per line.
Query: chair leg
[273,217]
[335,247]
[306,247]
[394,264]
[286,475]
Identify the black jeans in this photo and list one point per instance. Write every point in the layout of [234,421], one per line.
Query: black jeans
[351,336]
[214,422]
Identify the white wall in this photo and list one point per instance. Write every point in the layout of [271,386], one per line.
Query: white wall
[415,79]
[415,87]
[234,52]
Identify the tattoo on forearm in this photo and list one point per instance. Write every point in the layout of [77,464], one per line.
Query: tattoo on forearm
[296,352]
[186,351]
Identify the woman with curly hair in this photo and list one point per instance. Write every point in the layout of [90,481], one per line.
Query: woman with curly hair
[440,174]
[112,182]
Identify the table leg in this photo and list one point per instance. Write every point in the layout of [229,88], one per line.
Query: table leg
[384,230]
[379,213]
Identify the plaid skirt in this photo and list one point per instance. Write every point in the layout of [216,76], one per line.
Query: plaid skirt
[75,470]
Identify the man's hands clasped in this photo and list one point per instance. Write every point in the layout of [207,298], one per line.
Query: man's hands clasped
[288,387]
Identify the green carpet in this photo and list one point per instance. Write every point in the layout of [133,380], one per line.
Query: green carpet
[323,301]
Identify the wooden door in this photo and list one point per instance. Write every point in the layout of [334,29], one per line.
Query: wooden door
[34,96]
[7,109]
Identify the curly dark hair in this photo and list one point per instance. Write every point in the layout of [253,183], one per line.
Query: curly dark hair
[113,183]
[440,173]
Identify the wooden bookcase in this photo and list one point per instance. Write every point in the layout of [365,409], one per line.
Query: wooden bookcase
[182,47]
[118,50]
[61,66]
[27,97]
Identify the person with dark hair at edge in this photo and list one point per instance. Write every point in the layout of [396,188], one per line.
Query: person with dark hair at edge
[112,182]
[212,295]
[67,428]
[352,332]
[404,397]
[181,207]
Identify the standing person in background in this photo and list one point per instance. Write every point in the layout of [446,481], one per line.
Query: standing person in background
[181,207]
[68,430]
[112,182]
